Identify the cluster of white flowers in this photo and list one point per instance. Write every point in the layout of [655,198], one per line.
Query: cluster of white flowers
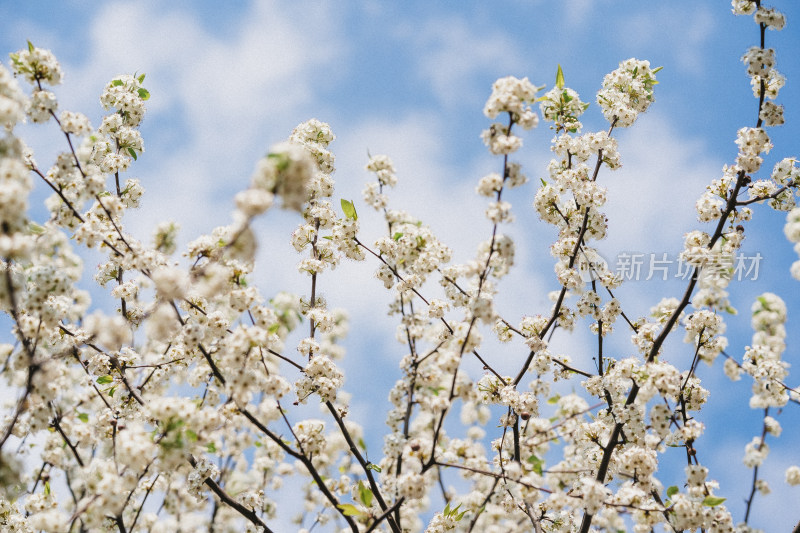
[572,204]
[124,387]
[12,100]
[762,360]
[513,96]
[185,393]
[42,106]
[441,524]
[205,469]
[627,92]
[563,107]
[793,475]
[286,172]
[770,17]
[322,378]
[704,330]
[593,494]
[744,7]
[37,65]
[752,143]
[764,78]
[792,231]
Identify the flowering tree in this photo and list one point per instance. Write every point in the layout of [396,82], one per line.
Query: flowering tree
[183,409]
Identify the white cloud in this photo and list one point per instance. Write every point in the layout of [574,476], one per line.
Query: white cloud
[578,12]
[670,25]
[211,96]
[651,198]
[455,59]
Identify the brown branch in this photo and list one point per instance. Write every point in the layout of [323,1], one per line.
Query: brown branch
[230,502]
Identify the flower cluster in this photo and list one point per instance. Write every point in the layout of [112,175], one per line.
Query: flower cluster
[37,65]
[752,143]
[792,231]
[286,172]
[571,199]
[765,80]
[512,96]
[762,360]
[187,397]
[627,92]
[563,107]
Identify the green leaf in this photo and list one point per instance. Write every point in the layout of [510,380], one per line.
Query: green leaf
[537,464]
[446,511]
[116,83]
[141,78]
[30,46]
[460,515]
[111,391]
[35,228]
[672,491]
[397,236]
[174,423]
[274,327]
[554,399]
[560,78]
[657,70]
[144,94]
[544,183]
[712,501]
[103,380]
[281,160]
[452,512]
[349,210]
[191,435]
[349,509]
[212,448]
[362,444]
[133,153]
[83,417]
[364,494]
[374,467]
[47,488]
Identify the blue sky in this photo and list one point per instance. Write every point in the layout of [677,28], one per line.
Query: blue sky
[409,79]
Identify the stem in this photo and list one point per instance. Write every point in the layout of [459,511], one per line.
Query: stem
[230,502]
